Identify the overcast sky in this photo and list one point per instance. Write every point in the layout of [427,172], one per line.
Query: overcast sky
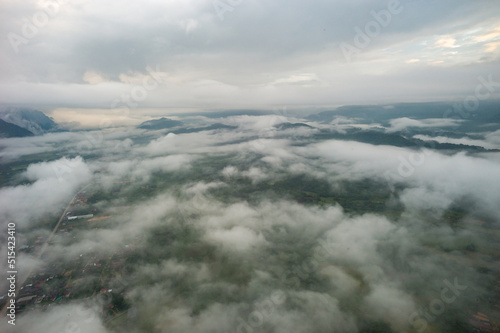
[87,54]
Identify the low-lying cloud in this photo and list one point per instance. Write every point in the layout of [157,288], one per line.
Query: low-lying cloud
[226,230]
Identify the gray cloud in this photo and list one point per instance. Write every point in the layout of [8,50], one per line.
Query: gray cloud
[211,62]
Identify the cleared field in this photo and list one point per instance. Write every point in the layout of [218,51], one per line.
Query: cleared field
[100,218]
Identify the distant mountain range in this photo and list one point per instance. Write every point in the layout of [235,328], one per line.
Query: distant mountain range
[285,126]
[485,118]
[8,130]
[33,122]
[162,123]
[216,126]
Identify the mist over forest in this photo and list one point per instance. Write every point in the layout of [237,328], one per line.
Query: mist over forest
[267,222]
